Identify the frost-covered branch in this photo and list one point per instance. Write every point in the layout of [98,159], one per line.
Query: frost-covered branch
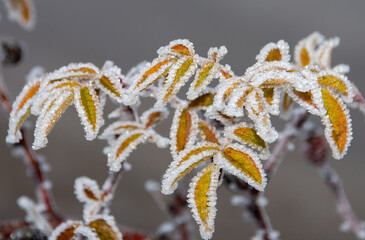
[334,183]
[41,183]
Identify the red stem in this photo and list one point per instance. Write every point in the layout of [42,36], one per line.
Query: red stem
[42,192]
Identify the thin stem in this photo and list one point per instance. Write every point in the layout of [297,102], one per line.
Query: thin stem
[359,99]
[42,191]
[289,133]
[334,183]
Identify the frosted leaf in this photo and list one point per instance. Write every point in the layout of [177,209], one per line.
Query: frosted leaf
[185,162]
[22,12]
[109,80]
[215,114]
[35,214]
[183,129]
[123,146]
[272,98]
[311,100]
[65,231]
[237,100]
[178,75]
[202,199]
[341,69]
[178,48]
[304,53]
[153,116]
[338,83]
[202,79]
[246,134]
[208,132]
[88,107]
[21,110]
[86,232]
[260,116]
[203,100]
[274,52]
[226,72]
[224,90]
[216,54]
[208,71]
[160,141]
[243,163]
[120,127]
[87,190]
[36,72]
[134,72]
[338,130]
[148,75]
[50,113]
[47,91]
[105,227]
[324,52]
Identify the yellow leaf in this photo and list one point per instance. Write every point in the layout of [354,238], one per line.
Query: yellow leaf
[338,124]
[183,129]
[208,132]
[242,163]
[203,198]
[203,101]
[104,230]
[51,112]
[274,55]
[87,103]
[118,128]
[185,162]
[177,77]
[202,78]
[110,87]
[123,146]
[304,57]
[247,134]
[268,94]
[337,83]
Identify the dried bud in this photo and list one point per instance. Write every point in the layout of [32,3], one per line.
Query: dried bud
[11,52]
[315,148]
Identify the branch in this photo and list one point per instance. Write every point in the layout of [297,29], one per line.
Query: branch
[252,204]
[334,183]
[42,191]
[359,99]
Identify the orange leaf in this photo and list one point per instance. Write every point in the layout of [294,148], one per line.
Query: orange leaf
[183,129]
[208,132]
[337,120]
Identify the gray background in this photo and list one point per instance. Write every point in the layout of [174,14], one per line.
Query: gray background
[128,32]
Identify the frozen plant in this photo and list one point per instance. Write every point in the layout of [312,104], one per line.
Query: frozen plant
[220,131]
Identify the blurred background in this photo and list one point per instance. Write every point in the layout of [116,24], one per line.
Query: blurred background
[129,31]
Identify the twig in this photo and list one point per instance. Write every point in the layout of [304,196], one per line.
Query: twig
[333,181]
[258,211]
[42,191]
[359,99]
[288,134]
